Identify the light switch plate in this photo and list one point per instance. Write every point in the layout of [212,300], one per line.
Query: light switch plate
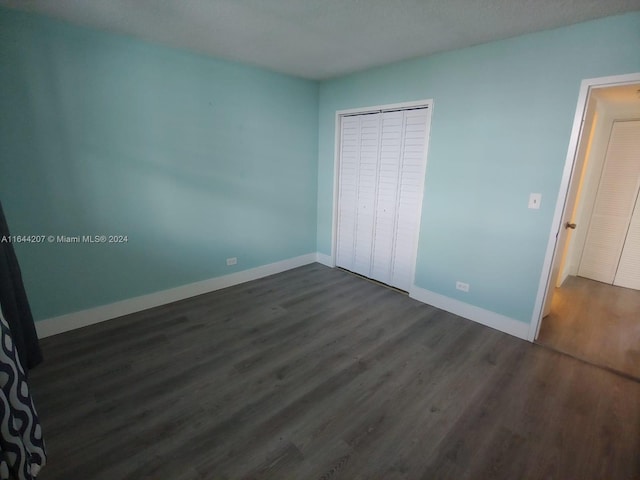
[534,200]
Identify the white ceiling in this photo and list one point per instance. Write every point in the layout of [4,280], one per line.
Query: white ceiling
[320,39]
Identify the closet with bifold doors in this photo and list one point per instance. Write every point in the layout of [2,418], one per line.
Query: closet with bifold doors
[382,160]
[611,251]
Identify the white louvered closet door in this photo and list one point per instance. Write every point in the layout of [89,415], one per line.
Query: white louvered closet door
[412,173]
[628,274]
[382,162]
[360,139]
[387,196]
[613,208]
[367,186]
[348,191]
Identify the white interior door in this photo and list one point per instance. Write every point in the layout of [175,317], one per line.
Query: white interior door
[614,205]
[559,266]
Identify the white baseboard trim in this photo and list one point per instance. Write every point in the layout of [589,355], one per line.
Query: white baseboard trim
[325,259]
[471,312]
[71,321]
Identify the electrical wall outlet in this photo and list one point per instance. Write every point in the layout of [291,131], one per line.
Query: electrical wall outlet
[231,261]
[462,286]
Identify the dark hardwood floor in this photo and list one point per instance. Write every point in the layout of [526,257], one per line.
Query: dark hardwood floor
[317,374]
[597,323]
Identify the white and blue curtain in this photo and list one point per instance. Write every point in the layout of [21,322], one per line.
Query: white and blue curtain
[22,452]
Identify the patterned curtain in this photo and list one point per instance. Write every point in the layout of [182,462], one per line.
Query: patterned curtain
[22,450]
[15,304]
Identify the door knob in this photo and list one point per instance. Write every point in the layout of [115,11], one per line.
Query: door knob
[572,226]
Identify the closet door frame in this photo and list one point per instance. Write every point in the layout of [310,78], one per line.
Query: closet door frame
[428,104]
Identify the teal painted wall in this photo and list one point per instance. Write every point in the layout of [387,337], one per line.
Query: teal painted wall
[501,122]
[195,159]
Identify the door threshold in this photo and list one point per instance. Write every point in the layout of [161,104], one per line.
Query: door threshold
[607,368]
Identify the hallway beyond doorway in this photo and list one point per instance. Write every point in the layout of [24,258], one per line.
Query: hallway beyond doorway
[597,323]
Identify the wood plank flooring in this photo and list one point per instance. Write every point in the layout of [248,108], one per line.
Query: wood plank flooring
[597,323]
[317,374]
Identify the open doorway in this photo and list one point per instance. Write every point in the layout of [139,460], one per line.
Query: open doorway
[592,304]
